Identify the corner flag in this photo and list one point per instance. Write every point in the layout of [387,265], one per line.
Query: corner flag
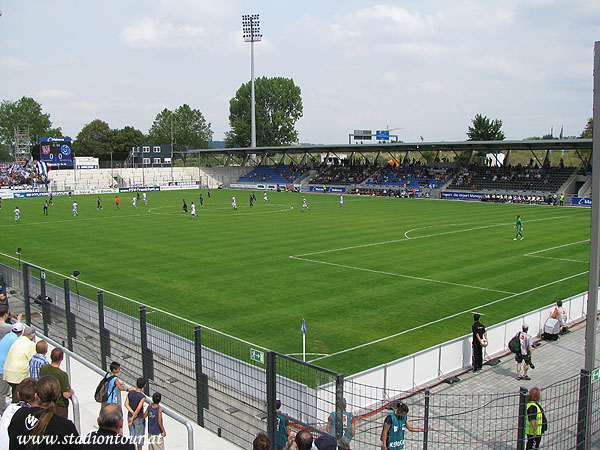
[303,328]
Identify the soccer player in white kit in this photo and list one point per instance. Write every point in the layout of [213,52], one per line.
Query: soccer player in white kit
[74,208]
[304,205]
[193,208]
[233,203]
[265,198]
[134,201]
[144,198]
[17,212]
[341,201]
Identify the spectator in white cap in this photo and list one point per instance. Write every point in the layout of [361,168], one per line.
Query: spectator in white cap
[5,344]
[16,366]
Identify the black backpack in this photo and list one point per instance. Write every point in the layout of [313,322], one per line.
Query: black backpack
[514,345]
[101,394]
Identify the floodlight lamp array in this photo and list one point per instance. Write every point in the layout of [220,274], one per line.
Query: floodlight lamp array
[251,28]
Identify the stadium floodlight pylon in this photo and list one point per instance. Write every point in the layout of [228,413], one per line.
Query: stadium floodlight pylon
[22,144]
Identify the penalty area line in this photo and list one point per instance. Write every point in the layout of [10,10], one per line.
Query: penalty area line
[447,317]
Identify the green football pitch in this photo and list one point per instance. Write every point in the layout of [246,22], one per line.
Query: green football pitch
[375,280]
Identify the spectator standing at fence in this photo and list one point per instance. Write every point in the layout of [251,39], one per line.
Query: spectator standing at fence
[38,360]
[303,440]
[282,427]
[525,354]
[261,442]
[2,284]
[109,435]
[53,369]
[42,420]
[394,427]
[5,324]
[16,366]
[114,383]
[156,429]
[560,314]
[5,344]
[534,419]
[348,426]
[135,416]
[26,393]
[479,342]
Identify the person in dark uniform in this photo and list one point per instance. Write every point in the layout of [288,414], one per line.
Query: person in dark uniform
[201,201]
[99,204]
[184,206]
[45,207]
[208,193]
[252,200]
[479,341]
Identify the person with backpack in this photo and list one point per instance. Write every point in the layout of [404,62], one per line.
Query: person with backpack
[535,421]
[106,392]
[525,353]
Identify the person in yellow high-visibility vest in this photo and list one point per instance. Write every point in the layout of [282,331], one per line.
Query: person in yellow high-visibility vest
[534,419]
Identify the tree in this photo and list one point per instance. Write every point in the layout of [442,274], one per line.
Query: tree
[588,131]
[188,129]
[94,139]
[25,111]
[278,108]
[484,129]
[122,140]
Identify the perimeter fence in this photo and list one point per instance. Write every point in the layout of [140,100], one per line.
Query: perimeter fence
[230,386]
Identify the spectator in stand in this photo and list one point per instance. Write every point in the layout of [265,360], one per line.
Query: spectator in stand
[156,429]
[38,360]
[303,440]
[2,284]
[135,416]
[53,370]
[26,394]
[261,442]
[5,325]
[16,366]
[5,343]
[109,435]
[114,383]
[47,421]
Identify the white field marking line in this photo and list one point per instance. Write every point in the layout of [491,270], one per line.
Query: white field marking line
[210,213]
[400,275]
[448,317]
[419,237]
[533,254]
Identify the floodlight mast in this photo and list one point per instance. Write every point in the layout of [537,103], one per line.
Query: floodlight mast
[251,33]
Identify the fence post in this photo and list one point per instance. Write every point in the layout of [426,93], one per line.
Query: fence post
[69,317]
[26,293]
[104,344]
[339,407]
[44,303]
[147,368]
[426,419]
[582,417]
[271,395]
[201,380]
[522,413]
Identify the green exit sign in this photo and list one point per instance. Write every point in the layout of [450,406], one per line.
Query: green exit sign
[257,355]
[595,375]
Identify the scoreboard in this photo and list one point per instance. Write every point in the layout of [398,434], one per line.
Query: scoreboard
[56,151]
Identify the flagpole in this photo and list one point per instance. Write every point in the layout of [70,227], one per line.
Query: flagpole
[304,347]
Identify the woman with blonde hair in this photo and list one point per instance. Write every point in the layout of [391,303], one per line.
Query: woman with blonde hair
[39,427]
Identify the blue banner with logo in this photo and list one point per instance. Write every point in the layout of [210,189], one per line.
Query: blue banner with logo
[56,151]
[334,189]
[462,195]
[581,201]
[140,189]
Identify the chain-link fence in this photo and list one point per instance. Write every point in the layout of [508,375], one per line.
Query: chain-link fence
[233,387]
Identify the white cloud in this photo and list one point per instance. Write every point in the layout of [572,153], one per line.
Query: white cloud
[53,94]
[14,63]
[151,33]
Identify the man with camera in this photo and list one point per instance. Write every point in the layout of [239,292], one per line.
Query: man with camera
[525,354]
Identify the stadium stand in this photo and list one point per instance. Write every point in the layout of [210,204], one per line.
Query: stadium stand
[343,174]
[413,176]
[272,174]
[512,178]
[15,176]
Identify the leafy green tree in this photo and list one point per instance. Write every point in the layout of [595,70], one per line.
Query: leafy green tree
[25,111]
[484,129]
[588,131]
[186,126]
[94,139]
[122,140]
[278,108]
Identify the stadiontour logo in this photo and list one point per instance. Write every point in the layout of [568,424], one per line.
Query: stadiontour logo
[92,438]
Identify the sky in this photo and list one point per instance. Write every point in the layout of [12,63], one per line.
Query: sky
[420,68]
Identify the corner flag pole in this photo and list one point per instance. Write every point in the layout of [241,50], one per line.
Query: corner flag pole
[303,329]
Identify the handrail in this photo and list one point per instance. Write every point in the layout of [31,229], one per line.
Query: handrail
[168,412]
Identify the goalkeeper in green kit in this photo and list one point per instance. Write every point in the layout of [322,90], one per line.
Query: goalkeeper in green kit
[519,227]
